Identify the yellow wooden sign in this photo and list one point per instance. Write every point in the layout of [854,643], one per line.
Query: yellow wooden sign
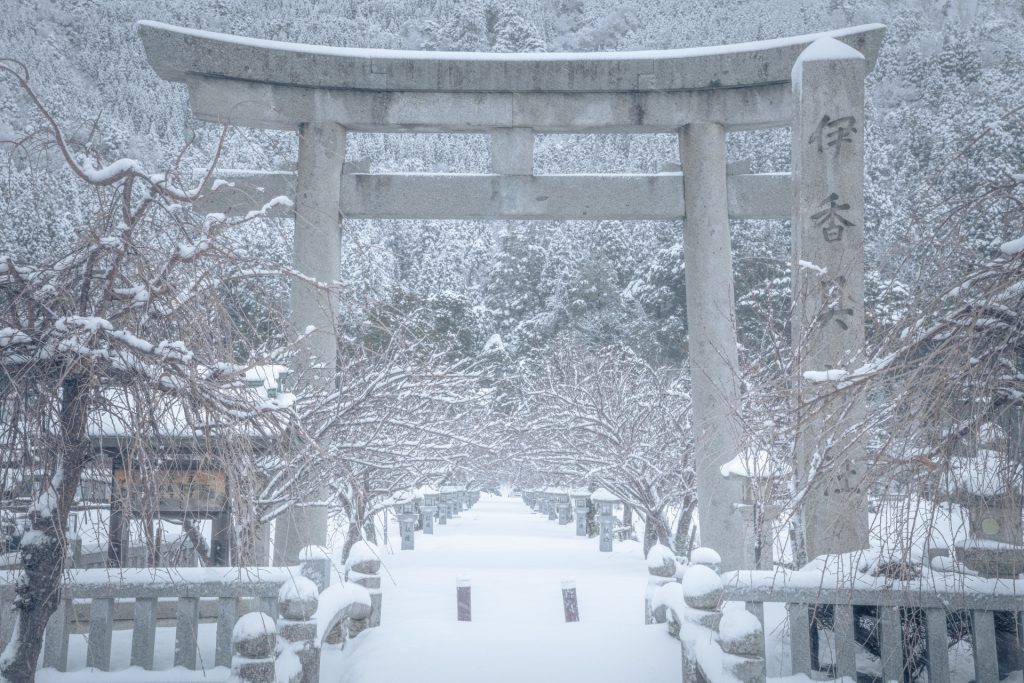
[177,490]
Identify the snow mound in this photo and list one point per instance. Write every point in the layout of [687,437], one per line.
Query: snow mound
[364,558]
[298,588]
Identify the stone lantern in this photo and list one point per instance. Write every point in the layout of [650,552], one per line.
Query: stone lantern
[605,500]
[428,508]
[563,506]
[405,508]
[552,505]
[581,505]
[750,472]
[988,487]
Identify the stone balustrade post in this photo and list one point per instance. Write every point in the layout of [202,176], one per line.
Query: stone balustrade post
[702,592]
[739,633]
[297,602]
[315,564]
[254,640]
[661,567]
[362,568]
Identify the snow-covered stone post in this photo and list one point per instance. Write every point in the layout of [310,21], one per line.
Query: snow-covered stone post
[463,600]
[711,317]
[661,566]
[315,564]
[255,641]
[702,593]
[736,647]
[428,509]
[741,635]
[581,503]
[551,501]
[828,288]
[604,500]
[297,600]
[570,603]
[362,568]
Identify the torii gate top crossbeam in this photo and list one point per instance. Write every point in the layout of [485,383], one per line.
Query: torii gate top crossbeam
[274,84]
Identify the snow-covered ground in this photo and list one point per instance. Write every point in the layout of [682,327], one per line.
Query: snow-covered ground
[515,561]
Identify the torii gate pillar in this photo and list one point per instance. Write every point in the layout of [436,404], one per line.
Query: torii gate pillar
[317,254]
[711,332]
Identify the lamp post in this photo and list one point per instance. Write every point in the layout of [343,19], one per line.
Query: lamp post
[405,508]
[428,509]
[604,500]
[581,505]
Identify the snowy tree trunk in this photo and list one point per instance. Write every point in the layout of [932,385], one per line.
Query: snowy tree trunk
[42,551]
[656,530]
[681,542]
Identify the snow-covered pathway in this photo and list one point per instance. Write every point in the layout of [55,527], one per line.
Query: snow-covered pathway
[515,561]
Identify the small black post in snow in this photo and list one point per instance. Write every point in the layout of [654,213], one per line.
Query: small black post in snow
[463,601]
[572,608]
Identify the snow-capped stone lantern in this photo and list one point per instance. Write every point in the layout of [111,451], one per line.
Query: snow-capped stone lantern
[987,485]
[405,508]
[605,501]
[752,471]
[551,496]
[564,507]
[428,508]
[581,505]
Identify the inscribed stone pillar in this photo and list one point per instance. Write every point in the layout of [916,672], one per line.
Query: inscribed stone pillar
[711,325]
[828,289]
[317,254]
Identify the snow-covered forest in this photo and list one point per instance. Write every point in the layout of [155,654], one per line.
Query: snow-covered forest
[529,353]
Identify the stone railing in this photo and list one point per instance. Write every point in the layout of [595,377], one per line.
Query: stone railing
[688,599]
[101,601]
[928,609]
[720,621]
[288,649]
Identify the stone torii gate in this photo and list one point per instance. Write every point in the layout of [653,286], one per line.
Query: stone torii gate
[814,84]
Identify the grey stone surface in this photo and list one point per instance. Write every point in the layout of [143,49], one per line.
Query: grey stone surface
[710,309]
[317,569]
[297,608]
[828,316]
[55,639]
[227,614]
[254,672]
[606,524]
[667,568]
[186,633]
[144,633]
[257,645]
[464,602]
[100,631]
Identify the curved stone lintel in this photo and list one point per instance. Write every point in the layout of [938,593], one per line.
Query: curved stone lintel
[176,52]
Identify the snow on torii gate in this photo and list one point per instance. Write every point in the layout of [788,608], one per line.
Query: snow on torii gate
[814,83]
